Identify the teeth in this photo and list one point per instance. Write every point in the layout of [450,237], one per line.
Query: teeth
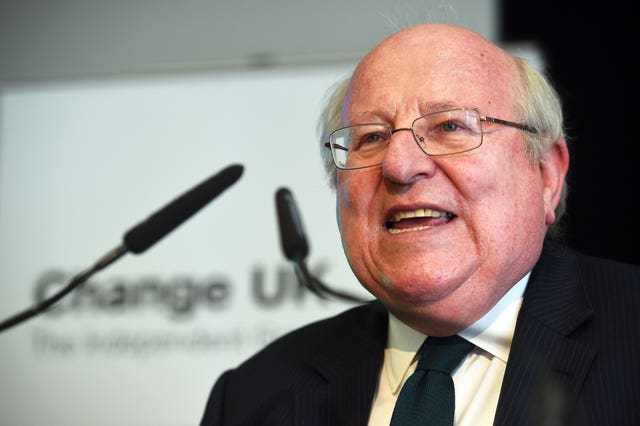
[412,214]
[419,213]
[399,231]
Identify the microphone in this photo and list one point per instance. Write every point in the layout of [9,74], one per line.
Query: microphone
[144,235]
[165,220]
[295,247]
[292,235]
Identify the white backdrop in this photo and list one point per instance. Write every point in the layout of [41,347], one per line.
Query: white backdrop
[143,342]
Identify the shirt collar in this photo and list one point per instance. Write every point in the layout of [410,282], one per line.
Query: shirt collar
[492,333]
[402,344]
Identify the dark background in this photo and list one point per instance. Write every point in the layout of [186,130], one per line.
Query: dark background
[589,52]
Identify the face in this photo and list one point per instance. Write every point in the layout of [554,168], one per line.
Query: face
[441,272]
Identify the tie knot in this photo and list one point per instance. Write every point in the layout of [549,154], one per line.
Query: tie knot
[443,354]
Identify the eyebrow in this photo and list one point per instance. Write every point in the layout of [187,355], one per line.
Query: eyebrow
[379,115]
[436,106]
[370,117]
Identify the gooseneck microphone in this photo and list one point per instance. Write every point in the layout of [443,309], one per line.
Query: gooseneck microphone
[144,235]
[295,247]
[165,220]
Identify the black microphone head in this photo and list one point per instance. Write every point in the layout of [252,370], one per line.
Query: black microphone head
[165,220]
[292,236]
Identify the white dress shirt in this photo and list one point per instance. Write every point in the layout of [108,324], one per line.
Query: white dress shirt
[477,380]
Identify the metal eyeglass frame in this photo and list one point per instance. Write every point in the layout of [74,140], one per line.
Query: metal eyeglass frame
[481,117]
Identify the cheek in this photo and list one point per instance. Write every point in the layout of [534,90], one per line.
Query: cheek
[354,209]
[355,196]
[501,197]
[517,206]
[347,208]
[344,201]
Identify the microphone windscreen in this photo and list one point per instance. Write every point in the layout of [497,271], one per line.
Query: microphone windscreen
[292,235]
[165,220]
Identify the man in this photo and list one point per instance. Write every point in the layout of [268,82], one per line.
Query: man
[449,162]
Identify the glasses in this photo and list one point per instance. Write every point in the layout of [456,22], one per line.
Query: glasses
[439,133]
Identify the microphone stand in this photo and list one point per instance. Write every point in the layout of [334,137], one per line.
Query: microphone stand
[145,234]
[295,248]
[319,288]
[77,281]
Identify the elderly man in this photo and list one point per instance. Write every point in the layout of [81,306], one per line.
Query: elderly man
[449,162]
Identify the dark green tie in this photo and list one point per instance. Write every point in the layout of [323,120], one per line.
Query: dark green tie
[427,397]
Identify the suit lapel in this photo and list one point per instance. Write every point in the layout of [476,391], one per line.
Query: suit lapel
[350,371]
[546,366]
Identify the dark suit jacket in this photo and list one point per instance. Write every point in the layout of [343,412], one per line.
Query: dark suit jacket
[575,358]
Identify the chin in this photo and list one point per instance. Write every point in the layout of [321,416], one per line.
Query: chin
[414,292]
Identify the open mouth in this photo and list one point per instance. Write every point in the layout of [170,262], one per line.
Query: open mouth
[417,220]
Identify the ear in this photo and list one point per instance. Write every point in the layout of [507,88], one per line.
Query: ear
[553,168]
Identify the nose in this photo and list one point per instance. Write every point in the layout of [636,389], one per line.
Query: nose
[404,160]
